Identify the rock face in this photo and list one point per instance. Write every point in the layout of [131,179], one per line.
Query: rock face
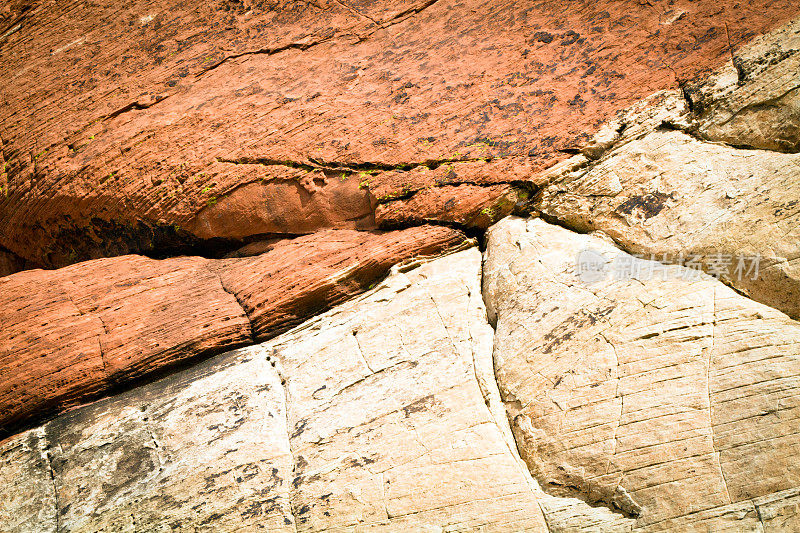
[132,127]
[675,197]
[95,326]
[658,187]
[381,415]
[624,358]
[663,394]
[753,101]
[638,405]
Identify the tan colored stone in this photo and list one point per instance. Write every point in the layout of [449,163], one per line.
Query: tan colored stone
[206,449]
[654,183]
[671,195]
[754,101]
[669,396]
[31,505]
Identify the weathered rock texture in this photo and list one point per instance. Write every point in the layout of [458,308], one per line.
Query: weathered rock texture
[139,126]
[654,183]
[666,401]
[668,396]
[382,415]
[753,102]
[71,334]
[648,399]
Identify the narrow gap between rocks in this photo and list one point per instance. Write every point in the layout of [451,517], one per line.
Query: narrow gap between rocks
[104,239]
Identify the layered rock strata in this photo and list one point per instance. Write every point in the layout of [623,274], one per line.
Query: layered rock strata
[135,127]
[636,404]
[72,334]
[620,389]
[381,415]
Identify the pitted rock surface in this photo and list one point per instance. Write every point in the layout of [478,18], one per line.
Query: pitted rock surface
[127,128]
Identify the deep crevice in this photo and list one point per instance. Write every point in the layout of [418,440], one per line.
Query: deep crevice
[470,231]
[13,263]
[134,106]
[349,168]
[163,242]
[100,238]
[48,460]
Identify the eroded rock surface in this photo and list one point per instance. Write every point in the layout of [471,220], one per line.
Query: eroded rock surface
[129,128]
[71,334]
[665,395]
[663,400]
[654,182]
[381,415]
[675,197]
[656,403]
[754,101]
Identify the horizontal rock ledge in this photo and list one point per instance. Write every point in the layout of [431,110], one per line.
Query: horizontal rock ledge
[73,334]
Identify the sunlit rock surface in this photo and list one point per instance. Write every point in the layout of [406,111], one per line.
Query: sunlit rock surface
[652,389]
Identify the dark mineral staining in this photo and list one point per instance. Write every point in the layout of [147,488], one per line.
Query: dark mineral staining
[542,37]
[570,38]
[420,405]
[649,205]
[299,428]
[566,330]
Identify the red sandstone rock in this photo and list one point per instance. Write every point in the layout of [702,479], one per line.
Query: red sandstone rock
[468,205]
[72,334]
[119,122]
[299,278]
[10,263]
[297,202]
